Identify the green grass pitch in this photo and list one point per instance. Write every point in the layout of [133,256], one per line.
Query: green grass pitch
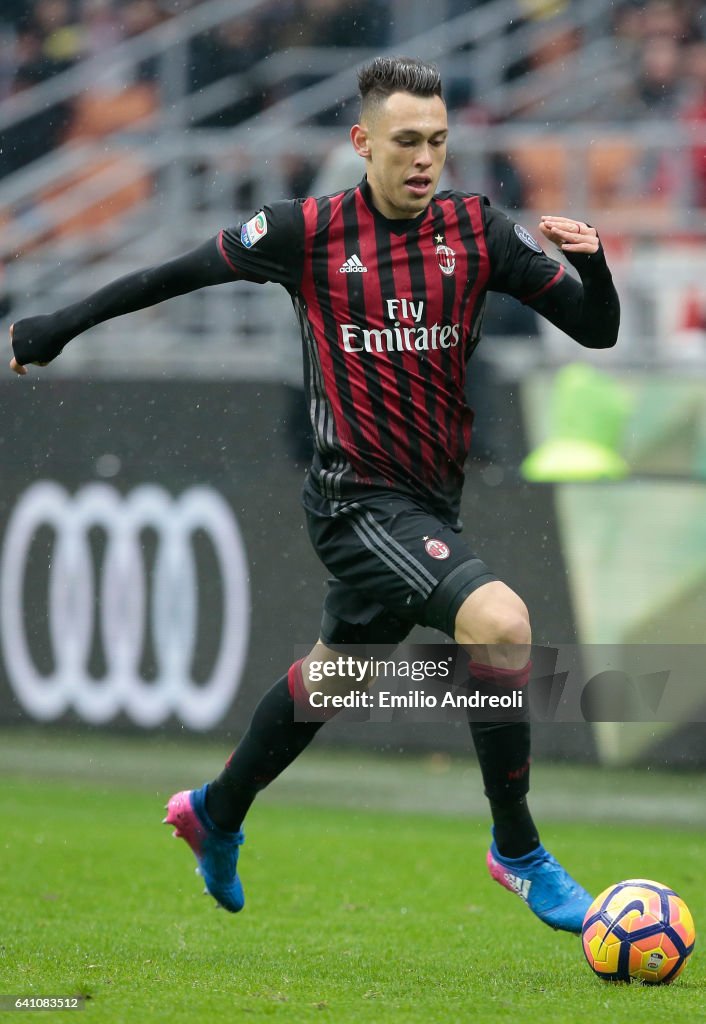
[353,915]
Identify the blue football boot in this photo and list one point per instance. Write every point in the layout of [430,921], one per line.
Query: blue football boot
[216,851]
[547,889]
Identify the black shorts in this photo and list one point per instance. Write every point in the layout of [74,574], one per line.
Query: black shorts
[395,565]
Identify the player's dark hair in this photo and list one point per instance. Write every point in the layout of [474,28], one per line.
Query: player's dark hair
[386,75]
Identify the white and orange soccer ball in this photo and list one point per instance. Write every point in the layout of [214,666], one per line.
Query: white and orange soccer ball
[638,930]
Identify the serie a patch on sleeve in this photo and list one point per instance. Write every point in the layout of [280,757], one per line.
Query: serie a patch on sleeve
[253,230]
[524,236]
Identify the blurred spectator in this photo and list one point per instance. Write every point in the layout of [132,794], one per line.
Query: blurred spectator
[15,12]
[497,177]
[539,9]
[232,48]
[662,19]
[136,17]
[662,42]
[694,115]
[551,50]
[44,37]
[102,28]
[338,23]
[49,42]
[655,93]
[7,59]
[635,22]
[140,15]
[60,35]
[659,88]
[656,88]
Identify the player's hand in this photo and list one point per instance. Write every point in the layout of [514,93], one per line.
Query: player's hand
[35,340]
[14,365]
[570,235]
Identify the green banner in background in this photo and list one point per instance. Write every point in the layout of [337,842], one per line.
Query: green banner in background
[635,549]
[655,422]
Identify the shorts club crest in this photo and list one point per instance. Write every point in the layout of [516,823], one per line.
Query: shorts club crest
[437,548]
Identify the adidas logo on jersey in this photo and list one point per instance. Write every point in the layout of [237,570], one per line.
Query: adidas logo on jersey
[353,265]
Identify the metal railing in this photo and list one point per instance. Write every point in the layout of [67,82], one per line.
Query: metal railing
[247,332]
[195,174]
[163,41]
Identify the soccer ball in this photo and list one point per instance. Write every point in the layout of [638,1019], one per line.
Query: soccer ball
[638,930]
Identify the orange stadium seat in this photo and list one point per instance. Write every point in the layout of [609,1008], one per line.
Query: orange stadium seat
[104,111]
[614,170]
[612,163]
[622,180]
[98,114]
[543,167]
[131,187]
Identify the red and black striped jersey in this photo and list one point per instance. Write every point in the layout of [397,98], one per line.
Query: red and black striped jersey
[390,312]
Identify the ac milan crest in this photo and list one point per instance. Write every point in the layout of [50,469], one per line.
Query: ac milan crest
[436,548]
[446,258]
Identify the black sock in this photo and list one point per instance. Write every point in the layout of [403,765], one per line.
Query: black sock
[515,832]
[272,742]
[503,750]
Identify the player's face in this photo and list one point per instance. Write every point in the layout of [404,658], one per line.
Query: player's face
[403,141]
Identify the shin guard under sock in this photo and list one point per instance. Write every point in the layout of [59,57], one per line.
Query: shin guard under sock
[273,740]
[503,750]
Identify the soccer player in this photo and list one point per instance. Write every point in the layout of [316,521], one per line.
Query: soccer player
[388,281]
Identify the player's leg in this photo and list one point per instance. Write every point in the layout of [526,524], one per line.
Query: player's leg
[284,723]
[418,563]
[493,626]
[210,819]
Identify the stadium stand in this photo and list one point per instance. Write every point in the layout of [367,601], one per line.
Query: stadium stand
[116,115]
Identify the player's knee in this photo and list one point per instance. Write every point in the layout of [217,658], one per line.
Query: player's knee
[513,627]
[333,672]
[497,617]
[503,628]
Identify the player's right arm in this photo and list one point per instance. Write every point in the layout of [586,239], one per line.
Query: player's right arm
[39,339]
[225,258]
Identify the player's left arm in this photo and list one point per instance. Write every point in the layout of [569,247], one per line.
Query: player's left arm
[587,310]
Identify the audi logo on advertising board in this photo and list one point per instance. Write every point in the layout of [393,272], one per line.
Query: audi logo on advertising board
[122,602]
